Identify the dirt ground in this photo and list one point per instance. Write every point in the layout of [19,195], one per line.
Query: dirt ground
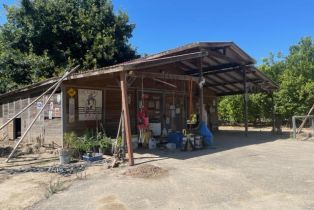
[22,190]
[260,171]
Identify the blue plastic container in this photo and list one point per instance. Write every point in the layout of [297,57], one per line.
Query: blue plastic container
[175,137]
[98,156]
[206,134]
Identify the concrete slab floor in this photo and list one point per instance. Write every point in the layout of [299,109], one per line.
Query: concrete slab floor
[255,172]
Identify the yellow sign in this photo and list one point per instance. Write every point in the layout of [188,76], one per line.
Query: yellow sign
[71,92]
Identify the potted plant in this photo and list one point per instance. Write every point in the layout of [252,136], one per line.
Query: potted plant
[105,144]
[65,153]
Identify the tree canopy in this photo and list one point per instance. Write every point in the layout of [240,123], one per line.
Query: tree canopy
[43,37]
[293,73]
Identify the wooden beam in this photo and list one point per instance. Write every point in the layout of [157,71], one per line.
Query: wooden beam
[233,83]
[210,60]
[141,64]
[222,70]
[245,98]
[234,77]
[164,76]
[215,69]
[201,100]
[223,79]
[130,81]
[221,56]
[189,64]
[127,122]
[238,92]
[217,82]
[163,61]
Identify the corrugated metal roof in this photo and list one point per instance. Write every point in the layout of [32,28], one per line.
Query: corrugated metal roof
[223,65]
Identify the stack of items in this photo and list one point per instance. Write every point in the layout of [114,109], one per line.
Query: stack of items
[191,142]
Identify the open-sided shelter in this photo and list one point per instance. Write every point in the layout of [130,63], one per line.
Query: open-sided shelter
[169,84]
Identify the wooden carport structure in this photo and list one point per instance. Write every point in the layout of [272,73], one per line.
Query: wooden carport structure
[222,67]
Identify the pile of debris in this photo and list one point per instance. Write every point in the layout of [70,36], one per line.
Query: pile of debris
[64,170]
[146,171]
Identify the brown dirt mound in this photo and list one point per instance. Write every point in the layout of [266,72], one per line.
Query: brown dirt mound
[146,171]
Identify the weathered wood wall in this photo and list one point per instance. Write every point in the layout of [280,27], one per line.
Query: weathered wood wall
[111,109]
[45,129]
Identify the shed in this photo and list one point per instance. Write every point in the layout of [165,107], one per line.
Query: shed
[171,85]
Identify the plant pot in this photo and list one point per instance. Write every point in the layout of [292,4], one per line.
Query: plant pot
[64,156]
[105,151]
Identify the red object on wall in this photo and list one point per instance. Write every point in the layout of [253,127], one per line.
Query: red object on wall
[142,118]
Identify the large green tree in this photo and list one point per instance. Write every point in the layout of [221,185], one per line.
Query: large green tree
[43,37]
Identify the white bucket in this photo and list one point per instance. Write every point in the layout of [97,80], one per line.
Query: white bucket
[171,146]
[64,156]
[198,142]
[192,140]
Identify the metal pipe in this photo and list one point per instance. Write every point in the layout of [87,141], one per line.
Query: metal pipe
[38,114]
[44,93]
[166,83]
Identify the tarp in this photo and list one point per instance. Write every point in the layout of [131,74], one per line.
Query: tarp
[206,134]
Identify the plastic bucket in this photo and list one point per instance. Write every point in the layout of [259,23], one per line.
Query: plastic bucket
[198,142]
[64,157]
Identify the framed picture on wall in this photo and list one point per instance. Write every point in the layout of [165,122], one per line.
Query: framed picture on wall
[89,104]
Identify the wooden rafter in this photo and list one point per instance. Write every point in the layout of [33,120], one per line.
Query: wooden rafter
[164,76]
[189,64]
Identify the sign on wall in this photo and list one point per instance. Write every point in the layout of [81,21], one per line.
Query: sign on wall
[71,110]
[89,104]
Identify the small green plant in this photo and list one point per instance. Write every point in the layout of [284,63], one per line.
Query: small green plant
[105,143]
[88,142]
[69,139]
[119,141]
[54,187]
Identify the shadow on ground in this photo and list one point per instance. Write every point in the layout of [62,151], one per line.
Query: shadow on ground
[223,140]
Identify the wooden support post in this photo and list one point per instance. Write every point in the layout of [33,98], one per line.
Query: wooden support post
[273,113]
[127,123]
[245,97]
[63,114]
[201,90]
[294,127]
[312,125]
[305,119]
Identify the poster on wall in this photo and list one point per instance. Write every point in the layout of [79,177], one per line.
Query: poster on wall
[51,107]
[89,104]
[71,110]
